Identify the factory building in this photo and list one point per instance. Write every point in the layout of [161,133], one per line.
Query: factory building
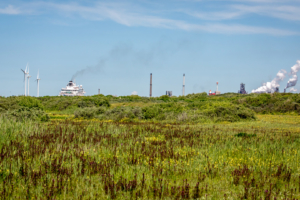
[242,89]
[169,93]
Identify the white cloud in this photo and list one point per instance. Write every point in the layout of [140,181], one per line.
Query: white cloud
[10,10]
[293,90]
[286,12]
[127,17]
[134,93]
[132,15]
[278,11]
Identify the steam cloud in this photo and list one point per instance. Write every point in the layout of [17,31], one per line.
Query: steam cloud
[293,90]
[293,81]
[134,93]
[270,87]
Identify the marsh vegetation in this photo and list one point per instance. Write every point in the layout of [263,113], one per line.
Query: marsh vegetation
[112,149]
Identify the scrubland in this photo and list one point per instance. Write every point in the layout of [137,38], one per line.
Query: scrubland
[195,147]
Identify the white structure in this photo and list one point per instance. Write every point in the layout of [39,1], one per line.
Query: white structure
[28,77]
[25,76]
[72,90]
[183,85]
[218,92]
[38,85]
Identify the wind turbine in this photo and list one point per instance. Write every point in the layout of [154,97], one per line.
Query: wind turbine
[37,80]
[25,74]
[28,80]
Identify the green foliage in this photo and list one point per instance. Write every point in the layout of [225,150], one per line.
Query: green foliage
[245,135]
[119,113]
[9,103]
[25,113]
[202,95]
[195,108]
[98,160]
[228,112]
[29,102]
[271,103]
[89,112]
[64,102]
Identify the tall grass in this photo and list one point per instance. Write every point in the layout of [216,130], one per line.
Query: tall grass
[91,160]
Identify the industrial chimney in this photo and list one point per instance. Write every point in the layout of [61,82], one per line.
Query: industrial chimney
[151,85]
[98,91]
[218,92]
[183,85]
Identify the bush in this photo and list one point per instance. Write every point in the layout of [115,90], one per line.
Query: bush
[64,102]
[88,113]
[151,112]
[228,112]
[30,102]
[119,113]
[25,113]
[93,101]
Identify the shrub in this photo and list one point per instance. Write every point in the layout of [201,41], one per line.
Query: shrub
[88,113]
[30,102]
[93,101]
[25,113]
[228,112]
[119,113]
[151,112]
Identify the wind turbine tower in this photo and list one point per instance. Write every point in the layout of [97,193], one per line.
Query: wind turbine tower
[38,80]
[28,77]
[28,85]
[25,76]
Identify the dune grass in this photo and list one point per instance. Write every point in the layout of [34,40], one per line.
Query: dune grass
[92,159]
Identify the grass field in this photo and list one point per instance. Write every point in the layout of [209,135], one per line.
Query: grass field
[93,159]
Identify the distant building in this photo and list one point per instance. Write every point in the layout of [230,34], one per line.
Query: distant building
[242,89]
[210,93]
[169,93]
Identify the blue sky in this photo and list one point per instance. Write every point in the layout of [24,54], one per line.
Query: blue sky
[117,44]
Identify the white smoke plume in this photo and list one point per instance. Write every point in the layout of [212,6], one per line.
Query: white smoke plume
[293,81]
[293,90]
[270,87]
[134,93]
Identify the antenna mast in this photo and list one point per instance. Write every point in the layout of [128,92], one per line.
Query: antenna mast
[183,85]
[151,85]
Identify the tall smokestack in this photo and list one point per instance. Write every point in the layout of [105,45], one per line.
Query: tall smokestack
[183,85]
[151,85]
[217,86]
[98,91]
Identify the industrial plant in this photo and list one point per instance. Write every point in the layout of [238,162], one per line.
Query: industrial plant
[269,87]
[217,92]
[169,93]
[242,89]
